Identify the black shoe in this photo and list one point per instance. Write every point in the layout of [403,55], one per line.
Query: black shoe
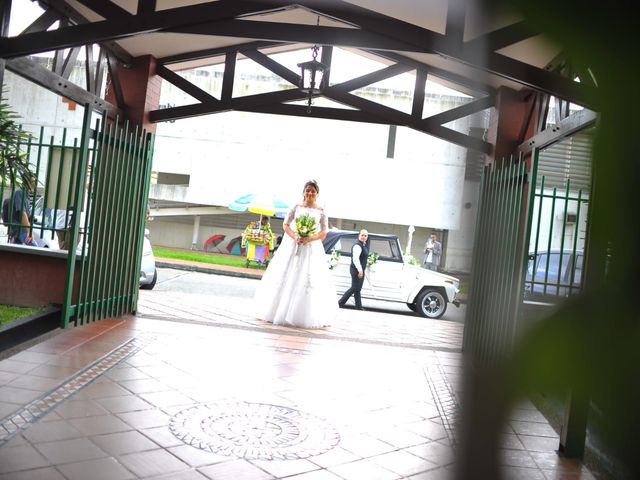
[360,308]
[340,305]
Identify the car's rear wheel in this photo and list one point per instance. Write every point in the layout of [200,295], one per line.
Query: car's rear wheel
[431,303]
[149,286]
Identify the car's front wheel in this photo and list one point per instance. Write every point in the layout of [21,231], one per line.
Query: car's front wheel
[431,304]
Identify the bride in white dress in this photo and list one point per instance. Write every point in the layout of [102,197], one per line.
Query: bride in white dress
[297,289]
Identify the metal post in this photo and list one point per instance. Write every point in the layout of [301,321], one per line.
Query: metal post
[75,221]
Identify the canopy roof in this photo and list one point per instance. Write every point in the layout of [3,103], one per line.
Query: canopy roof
[454,42]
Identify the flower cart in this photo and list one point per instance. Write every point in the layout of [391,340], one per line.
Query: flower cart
[258,241]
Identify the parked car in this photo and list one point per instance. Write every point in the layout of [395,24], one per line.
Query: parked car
[148,272]
[391,278]
[547,278]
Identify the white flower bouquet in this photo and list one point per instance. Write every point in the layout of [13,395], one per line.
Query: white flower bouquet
[306,225]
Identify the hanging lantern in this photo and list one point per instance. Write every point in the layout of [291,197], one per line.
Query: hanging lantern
[311,75]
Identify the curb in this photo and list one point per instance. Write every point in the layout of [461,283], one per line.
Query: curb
[29,328]
[215,271]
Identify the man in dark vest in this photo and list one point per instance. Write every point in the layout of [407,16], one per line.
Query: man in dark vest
[359,255]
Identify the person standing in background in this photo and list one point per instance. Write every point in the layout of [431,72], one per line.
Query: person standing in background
[432,250]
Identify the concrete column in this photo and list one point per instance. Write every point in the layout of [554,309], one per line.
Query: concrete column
[196,232]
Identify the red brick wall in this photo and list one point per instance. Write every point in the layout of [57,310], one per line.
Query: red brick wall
[31,280]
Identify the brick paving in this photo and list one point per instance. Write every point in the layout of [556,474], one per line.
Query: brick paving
[191,389]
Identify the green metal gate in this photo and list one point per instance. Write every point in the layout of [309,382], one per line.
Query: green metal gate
[114,165]
[495,286]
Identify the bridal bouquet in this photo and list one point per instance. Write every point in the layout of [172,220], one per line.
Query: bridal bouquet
[306,225]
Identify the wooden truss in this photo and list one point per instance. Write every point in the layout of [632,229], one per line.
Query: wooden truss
[374,34]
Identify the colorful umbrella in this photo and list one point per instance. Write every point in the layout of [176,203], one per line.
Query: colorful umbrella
[213,242]
[263,204]
[234,246]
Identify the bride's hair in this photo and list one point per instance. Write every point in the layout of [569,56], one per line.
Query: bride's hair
[311,183]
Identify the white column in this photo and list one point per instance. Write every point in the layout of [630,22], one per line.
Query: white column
[196,232]
[411,229]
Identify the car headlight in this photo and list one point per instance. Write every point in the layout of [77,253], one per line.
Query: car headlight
[455,283]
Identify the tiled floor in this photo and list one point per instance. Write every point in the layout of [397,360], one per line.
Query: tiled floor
[238,399]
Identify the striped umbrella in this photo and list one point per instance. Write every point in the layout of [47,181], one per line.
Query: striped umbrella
[261,203]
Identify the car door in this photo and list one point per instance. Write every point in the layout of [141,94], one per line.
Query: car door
[383,280]
[340,271]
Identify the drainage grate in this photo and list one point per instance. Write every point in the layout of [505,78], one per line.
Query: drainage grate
[38,408]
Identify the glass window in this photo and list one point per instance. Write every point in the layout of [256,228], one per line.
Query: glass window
[386,248]
[344,244]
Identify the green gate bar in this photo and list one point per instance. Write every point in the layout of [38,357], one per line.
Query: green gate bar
[116,168]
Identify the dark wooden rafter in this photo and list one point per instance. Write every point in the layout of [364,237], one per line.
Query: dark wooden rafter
[368,111]
[466,85]
[526,124]
[501,38]
[346,37]
[575,122]
[118,27]
[391,31]
[209,53]
[184,85]
[462,111]
[51,81]
[106,8]
[90,67]
[495,63]
[542,111]
[70,62]
[280,70]
[59,55]
[418,93]
[146,6]
[115,85]
[228,76]
[5,16]
[99,75]
[43,22]
[63,10]
[325,57]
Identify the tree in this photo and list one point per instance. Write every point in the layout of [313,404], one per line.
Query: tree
[15,168]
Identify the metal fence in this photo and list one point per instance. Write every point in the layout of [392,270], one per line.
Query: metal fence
[494,288]
[90,199]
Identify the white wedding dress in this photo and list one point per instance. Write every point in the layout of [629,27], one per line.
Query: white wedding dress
[297,289]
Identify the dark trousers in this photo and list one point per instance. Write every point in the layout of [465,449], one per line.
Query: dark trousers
[356,286]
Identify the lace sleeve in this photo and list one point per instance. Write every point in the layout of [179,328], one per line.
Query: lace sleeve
[324,222]
[290,216]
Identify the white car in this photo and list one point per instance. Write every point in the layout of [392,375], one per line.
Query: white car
[148,272]
[391,278]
